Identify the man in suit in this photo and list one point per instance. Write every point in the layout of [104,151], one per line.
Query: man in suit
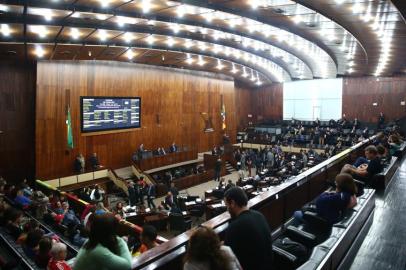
[169,202]
[150,192]
[131,194]
[140,151]
[79,164]
[94,161]
[217,170]
[161,151]
[173,148]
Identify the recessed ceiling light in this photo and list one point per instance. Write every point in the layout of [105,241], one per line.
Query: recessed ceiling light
[5,30]
[102,35]
[150,39]
[74,33]
[146,6]
[40,30]
[128,37]
[39,51]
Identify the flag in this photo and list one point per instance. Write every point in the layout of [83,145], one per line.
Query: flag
[223,115]
[69,129]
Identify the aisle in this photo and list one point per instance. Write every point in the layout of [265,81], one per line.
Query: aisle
[384,247]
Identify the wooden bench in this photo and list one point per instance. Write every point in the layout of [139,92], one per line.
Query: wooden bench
[382,180]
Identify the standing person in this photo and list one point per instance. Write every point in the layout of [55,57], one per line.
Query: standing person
[381,121]
[131,194]
[104,249]
[248,233]
[217,170]
[150,191]
[94,161]
[97,194]
[249,166]
[173,148]
[205,252]
[79,164]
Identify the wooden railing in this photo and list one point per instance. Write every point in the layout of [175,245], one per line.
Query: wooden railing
[78,178]
[277,205]
[119,182]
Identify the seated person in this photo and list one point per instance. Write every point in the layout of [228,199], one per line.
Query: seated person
[100,210]
[173,148]
[22,200]
[57,261]
[331,205]
[44,255]
[229,185]
[13,219]
[205,251]
[383,153]
[148,238]
[366,172]
[161,151]
[30,245]
[94,161]
[169,201]
[394,144]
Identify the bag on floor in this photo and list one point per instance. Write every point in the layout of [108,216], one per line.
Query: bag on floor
[294,248]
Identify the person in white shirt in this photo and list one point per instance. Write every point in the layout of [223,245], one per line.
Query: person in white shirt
[97,194]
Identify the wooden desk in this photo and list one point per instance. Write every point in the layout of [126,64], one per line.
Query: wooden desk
[168,159]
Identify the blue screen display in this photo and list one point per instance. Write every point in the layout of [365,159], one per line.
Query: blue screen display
[108,113]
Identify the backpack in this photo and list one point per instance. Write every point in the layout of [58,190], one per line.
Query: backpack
[294,248]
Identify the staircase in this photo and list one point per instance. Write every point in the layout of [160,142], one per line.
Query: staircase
[229,168]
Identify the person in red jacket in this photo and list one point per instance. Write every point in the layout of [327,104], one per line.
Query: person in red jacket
[58,253]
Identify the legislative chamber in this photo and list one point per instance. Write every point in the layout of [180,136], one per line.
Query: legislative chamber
[194,135]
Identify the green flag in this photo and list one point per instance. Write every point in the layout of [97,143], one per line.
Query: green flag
[69,129]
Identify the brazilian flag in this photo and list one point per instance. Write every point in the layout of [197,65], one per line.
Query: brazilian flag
[69,129]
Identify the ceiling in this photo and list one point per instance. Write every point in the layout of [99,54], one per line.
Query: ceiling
[255,41]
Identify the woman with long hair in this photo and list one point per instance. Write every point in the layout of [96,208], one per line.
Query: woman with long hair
[104,249]
[205,252]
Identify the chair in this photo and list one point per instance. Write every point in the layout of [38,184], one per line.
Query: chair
[197,213]
[178,223]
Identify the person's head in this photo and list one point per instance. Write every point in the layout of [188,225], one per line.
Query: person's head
[96,187]
[148,234]
[45,245]
[33,238]
[65,205]
[345,183]
[58,251]
[119,205]
[395,139]
[381,150]
[141,178]
[169,194]
[236,201]
[20,192]
[58,204]
[32,224]
[172,184]
[103,231]
[94,154]
[229,181]
[370,152]
[204,246]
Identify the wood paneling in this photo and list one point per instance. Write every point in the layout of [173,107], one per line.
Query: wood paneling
[17,114]
[360,93]
[267,102]
[243,101]
[176,97]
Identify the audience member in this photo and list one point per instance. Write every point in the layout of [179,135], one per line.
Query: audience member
[44,252]
[205,252]
[104,249]
[100,210]
[148,238]
[247,227]
[97,194]
[365,173]
[151,193]
[58,256]
[22,200]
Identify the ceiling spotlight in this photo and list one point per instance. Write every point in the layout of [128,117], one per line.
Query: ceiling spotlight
[102,35]
[47,13]
[357,8]
[351,70]
[170,42]
[234,70]
[201,62]
[351,64]
[5,30]
[104,3]
[188,44]
[202,46]
[3,8]
[189,59]
[220,66]
[258,82]
[128,37]
[40,30]
[39,51]
[146,6]
[74,33]
[101,17]
[297,19]
[180,11]
[244,74]
[130,54]
[150,39]
[175,28]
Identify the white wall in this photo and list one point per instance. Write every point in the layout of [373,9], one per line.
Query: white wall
[311,99]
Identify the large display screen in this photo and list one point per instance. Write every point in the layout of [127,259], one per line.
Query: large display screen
[109,113]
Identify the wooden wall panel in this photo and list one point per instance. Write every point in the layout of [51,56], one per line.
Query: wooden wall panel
[243,100]
[17,115]
[267,102]
[360,93]
[171,105]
